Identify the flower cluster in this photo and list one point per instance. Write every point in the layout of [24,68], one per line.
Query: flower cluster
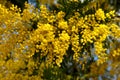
[37,37]
[100,15]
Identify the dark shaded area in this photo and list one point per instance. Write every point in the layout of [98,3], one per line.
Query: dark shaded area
[118,4]
[115,3]
[19,3]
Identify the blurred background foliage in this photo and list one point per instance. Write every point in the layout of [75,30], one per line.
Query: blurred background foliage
[84,8]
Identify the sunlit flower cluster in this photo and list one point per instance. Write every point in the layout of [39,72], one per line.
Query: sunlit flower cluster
[100,15]
[24,49]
